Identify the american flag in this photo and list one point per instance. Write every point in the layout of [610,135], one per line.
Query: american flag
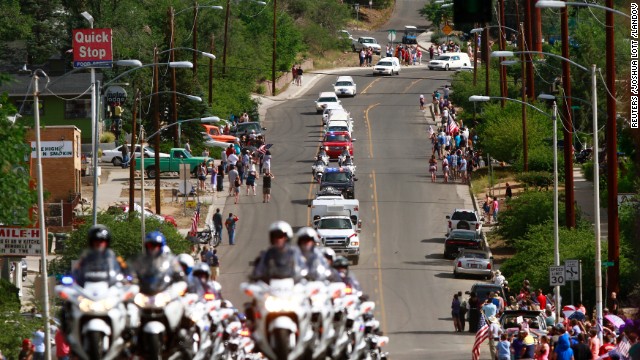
[621,349]
[263,148]
[481,336]
[195,220]
[552,303]
[452,126]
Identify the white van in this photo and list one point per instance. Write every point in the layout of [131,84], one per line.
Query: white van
[449,61]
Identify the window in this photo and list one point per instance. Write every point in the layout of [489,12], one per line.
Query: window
[77,109]
[26,107]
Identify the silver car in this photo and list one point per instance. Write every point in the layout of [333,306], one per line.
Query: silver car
[473,262]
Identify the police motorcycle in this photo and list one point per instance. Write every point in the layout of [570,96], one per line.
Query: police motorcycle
[164,332]
[98,317]
[321,297]
[282,328]
[317,169]
[323,156]
[374,339]
[237,338]
[348,163]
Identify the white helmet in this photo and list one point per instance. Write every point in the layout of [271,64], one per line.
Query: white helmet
[308,233]
[186,261]
[283,227]
[329,253]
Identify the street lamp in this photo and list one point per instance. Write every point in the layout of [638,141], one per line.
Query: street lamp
[596,173]
[554,4]
[556,237]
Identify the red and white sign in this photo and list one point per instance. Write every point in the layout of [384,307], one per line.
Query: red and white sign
[20,242]
[92,48]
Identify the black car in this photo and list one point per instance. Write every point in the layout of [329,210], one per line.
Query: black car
[482,290]
[461,239]
[341,179]
[245,128]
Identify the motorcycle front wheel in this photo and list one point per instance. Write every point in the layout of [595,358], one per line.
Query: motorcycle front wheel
[95,345]
[154,347]
[281,343]
[215,242]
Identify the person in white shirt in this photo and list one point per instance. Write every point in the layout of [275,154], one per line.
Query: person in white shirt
[498,278]
[494,335]
[232,159]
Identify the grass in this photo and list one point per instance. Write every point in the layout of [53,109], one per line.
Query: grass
[335,58]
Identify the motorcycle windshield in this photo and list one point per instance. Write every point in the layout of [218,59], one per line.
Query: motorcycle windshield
[154,276]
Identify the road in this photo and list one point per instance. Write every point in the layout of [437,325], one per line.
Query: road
[401,265]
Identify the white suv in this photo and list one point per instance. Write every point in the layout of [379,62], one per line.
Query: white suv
[464,219]
[387,66]
[324,99]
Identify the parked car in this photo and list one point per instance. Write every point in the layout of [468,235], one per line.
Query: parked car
[483,290]
[366,42]
[387,66]
[473,262]
[148,213]
[461,239]
[465,219]
[326,98]
[510,321]
[344,34]
[449,61]
[114,156]
[209,142]
[246,128]
[345,86]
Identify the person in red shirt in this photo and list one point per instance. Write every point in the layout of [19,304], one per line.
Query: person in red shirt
[62,347]
[607,346]
[542,300]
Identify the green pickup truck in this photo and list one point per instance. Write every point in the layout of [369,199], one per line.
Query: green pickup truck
[172,163]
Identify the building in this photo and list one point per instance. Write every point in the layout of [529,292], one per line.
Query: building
[62,172]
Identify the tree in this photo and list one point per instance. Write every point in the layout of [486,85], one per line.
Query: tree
[436,13]
[18,196]
[126,239]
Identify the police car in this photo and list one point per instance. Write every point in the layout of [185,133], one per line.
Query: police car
[341,179]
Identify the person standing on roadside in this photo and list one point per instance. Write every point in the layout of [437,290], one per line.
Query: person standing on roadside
[187,147]
[494,209]
[125,155]
[217,223]
[214,264]
[202,176]
[214,176]
[299,73]
[294,73]
[38,343]
[464,306]
[230,224]
[508,191]
[251,181]
[455,313]
[266,186]
[421,102]
[233,174]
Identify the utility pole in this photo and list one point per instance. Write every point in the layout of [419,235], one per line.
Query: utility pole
[613,237]
[486,57]
[132,152]
[273,60]
[174,94]
[568,123]
[529,46]
[502,43]
[475,59]
[536,27]
[156,125]
[195,40]
[213,49]
[226,37]
[525,150]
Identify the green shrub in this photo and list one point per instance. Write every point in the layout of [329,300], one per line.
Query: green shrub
[541,159]
[261,89]
[587,170]
[14,326]
[126,238]
[528,209]
[107,137]
[535,179]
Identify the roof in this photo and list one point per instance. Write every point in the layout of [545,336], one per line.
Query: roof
[66,85]
[327,94]
[410,27]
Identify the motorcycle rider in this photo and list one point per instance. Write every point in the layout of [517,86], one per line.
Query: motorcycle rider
[99,263]
[341,264]
[186,262]
[200,284]
[343,155]
[317,266]
[281,260]
[332,273]
[157,258]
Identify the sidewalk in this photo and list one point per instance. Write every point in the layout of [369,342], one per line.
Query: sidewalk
[583,191]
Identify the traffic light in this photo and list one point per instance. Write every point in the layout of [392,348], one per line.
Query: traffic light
[472,11]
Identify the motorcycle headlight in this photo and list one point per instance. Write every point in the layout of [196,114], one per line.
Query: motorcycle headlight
[279,304]
[88,305]
[159,300]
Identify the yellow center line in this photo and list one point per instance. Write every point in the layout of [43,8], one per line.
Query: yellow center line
[366,120]
[370,85]
[410,85]
[379,253]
